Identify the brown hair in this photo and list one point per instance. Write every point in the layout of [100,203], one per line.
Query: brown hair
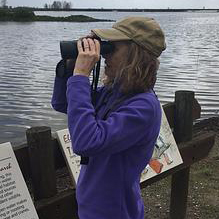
[137,73]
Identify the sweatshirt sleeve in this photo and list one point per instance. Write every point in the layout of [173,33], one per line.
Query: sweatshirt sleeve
[59,100]
[123,128]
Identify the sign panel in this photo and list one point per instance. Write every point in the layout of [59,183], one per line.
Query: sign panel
[166,153]
[15,200]
[165,156]
[72,159]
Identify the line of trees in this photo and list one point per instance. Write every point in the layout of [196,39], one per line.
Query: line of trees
[3,3]
[58,5]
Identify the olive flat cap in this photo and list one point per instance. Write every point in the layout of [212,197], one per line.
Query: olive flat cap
[144,31]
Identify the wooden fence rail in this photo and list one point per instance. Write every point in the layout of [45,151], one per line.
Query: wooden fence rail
[41,157]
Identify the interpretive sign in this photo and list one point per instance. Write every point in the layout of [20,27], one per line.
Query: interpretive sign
[165,156]
[72,160]
[15,200]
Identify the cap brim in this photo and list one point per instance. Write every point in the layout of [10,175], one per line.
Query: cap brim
[111,34]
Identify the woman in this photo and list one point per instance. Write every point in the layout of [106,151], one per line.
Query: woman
[118,134]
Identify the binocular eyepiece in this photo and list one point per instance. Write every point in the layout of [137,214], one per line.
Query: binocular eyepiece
[69,49]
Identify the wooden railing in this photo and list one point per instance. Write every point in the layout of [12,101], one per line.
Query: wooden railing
[41,157]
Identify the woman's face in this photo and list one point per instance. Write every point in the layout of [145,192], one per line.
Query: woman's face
[113,60]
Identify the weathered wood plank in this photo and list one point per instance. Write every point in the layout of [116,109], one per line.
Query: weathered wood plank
[183,125]
[61,206]
[41,162]
[21,153]
[169,109]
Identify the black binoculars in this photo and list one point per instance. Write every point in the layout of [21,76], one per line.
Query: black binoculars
[69,49]
[69,53]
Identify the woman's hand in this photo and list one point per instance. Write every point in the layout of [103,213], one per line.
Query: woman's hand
[88,56]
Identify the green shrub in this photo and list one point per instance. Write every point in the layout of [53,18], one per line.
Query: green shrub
[23,14]
[4,13]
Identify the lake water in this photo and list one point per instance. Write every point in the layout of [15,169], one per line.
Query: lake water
[29,53]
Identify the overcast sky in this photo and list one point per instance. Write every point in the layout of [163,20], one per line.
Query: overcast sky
[124,3]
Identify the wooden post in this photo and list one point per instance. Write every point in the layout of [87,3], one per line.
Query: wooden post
[183,124]
[41,162]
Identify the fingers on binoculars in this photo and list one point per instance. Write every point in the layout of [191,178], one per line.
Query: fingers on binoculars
[82,46]
[79,45]
[92,45]
[97,45]
[86,45]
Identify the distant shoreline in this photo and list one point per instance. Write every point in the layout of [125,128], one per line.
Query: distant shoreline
[21,14]
[27,15]
[128,10]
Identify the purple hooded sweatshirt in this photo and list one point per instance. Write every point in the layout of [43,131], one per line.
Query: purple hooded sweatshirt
[118,147]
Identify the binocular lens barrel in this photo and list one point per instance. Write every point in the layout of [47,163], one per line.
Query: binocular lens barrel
[69,49]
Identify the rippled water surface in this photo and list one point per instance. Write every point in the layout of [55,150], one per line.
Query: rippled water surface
[29,53]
